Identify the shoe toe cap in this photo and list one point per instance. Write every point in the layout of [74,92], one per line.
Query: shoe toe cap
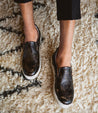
[67,102]
[30,72]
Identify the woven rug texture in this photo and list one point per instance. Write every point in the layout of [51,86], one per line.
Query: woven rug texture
[18,95]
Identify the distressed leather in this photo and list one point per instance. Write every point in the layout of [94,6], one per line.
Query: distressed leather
[63,82]
[30,60]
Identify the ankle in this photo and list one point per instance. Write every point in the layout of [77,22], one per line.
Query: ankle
[31,34]
[29,29]
[64,60]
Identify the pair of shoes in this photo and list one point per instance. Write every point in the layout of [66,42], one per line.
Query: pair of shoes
[31,62]
[63,83]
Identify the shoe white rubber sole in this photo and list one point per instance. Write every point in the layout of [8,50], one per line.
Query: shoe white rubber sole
[54,93]
[31,77]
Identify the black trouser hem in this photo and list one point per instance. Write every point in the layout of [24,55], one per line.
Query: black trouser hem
[22,1]
[65,18]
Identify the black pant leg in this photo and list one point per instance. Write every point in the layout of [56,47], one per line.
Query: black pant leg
[68,9]
[22,1]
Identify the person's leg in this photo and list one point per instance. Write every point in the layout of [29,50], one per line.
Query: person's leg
[66,34]
[30,31]
[67,12]
[31,63]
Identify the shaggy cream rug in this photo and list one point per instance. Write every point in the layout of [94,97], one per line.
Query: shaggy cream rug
[18,95]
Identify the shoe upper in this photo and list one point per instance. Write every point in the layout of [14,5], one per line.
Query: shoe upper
[30,61]
[63,82]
